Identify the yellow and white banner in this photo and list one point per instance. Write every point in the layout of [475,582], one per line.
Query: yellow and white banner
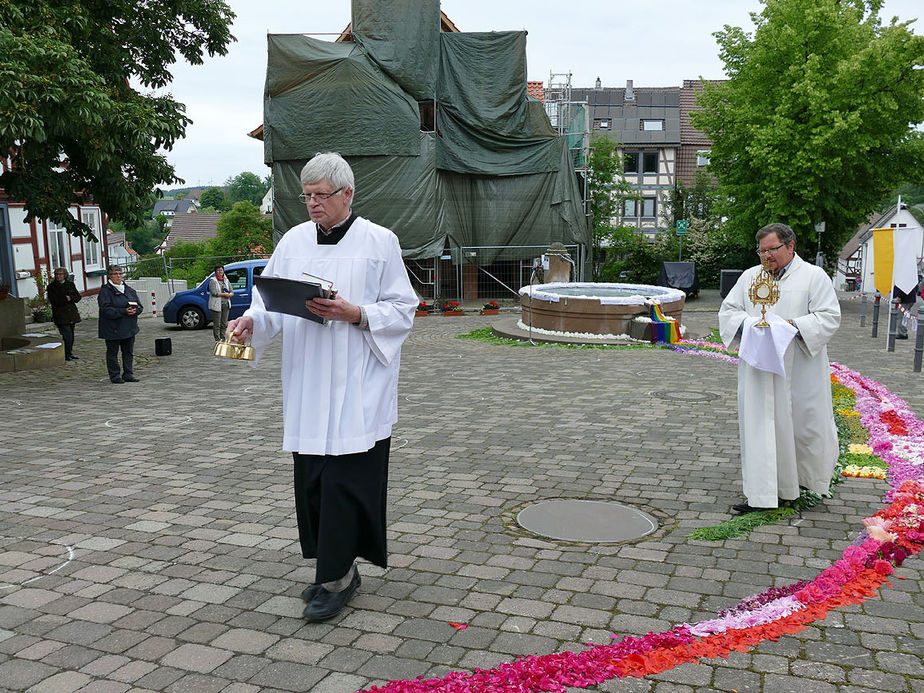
[895,253]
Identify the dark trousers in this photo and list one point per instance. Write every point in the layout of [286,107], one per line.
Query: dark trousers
[113,346]
[340,505]
[67,336]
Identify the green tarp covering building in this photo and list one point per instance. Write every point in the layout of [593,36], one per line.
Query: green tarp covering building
[438,127]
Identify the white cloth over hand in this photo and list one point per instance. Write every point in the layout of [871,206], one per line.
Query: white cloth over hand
[765,348]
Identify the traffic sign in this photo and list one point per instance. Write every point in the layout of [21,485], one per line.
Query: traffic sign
[682,227]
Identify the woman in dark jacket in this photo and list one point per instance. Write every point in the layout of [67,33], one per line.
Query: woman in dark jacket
[63,297]
[119,309]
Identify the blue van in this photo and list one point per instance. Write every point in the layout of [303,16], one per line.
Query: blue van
[190,309]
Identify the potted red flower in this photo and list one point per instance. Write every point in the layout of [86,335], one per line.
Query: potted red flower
[490,308]
[452,308]
[422,309]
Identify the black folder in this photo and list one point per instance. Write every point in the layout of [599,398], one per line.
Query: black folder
[281,295]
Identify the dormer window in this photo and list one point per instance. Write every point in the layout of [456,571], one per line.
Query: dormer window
[650,124]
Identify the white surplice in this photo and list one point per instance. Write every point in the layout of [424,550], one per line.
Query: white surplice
[340,383]
[786,424]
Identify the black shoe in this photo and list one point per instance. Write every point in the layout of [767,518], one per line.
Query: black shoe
[326,605]
[70,358]
[901,336]
[116,381]
[74,357]
[130,379]
[310,592]
[744,508]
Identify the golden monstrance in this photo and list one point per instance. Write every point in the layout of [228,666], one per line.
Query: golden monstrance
[764,291]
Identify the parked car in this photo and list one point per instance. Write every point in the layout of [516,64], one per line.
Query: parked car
[190,309]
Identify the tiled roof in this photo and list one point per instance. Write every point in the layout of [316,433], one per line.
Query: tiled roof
[192,228]
[175,206]
[688,93]
[625,115]
[535,89]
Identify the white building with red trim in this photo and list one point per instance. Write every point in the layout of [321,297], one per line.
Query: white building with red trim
[32,248]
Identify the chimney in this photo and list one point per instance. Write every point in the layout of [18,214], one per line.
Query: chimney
[630,95]
[598,86]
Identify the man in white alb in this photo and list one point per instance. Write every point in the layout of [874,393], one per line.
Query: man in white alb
[340,380]
[785,415]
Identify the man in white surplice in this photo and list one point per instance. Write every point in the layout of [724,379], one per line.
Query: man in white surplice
[340,380]
[785,415]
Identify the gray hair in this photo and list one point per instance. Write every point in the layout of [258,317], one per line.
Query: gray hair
[114,268]
[330,166]
[784,233]
[60,269]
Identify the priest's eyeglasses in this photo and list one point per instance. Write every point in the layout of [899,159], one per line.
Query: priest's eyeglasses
[319,196]
[770,251]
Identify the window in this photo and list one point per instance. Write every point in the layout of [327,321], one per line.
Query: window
[630,162]
[91,254]
[650,162]
[58,247]
[650,124]
[702,157]
[602,124]
[629,208]
[237,277]
[648,206]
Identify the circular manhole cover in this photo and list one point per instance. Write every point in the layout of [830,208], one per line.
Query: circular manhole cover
[684,396]
[586,520]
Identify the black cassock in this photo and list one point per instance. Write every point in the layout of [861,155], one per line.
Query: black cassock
[340,503]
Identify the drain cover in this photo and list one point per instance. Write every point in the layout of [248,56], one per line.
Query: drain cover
[586,520]
[684,396]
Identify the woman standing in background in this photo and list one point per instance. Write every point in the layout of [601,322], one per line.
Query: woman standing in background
[219,302]
[63,297]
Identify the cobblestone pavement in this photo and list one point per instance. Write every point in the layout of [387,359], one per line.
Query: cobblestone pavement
[148,542]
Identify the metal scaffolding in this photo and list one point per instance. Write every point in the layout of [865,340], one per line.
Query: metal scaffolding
[570,119]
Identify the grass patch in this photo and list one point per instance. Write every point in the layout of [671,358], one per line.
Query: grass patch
[863,460]
[486,335]
[741,525]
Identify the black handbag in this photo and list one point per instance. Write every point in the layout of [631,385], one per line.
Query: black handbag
[163,347]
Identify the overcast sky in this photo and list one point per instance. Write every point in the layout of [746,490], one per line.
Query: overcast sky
[653,43]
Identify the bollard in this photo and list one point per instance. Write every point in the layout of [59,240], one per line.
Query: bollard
[153,305]
[919,340]
[893,322]
[876,315]
[863,310]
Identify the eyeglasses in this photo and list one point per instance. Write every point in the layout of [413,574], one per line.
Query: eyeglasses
[319,196]
[770,251]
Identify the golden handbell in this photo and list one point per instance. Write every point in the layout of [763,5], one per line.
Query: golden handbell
[232,350]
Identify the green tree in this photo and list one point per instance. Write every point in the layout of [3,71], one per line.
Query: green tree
[191,261]
[697,201]
[213,197]
[144,238]
[632,257]
[71,122]
[608,191]
[243,230]
[246,186]
[815,122]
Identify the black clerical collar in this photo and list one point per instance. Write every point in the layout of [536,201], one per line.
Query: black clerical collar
[336,233]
